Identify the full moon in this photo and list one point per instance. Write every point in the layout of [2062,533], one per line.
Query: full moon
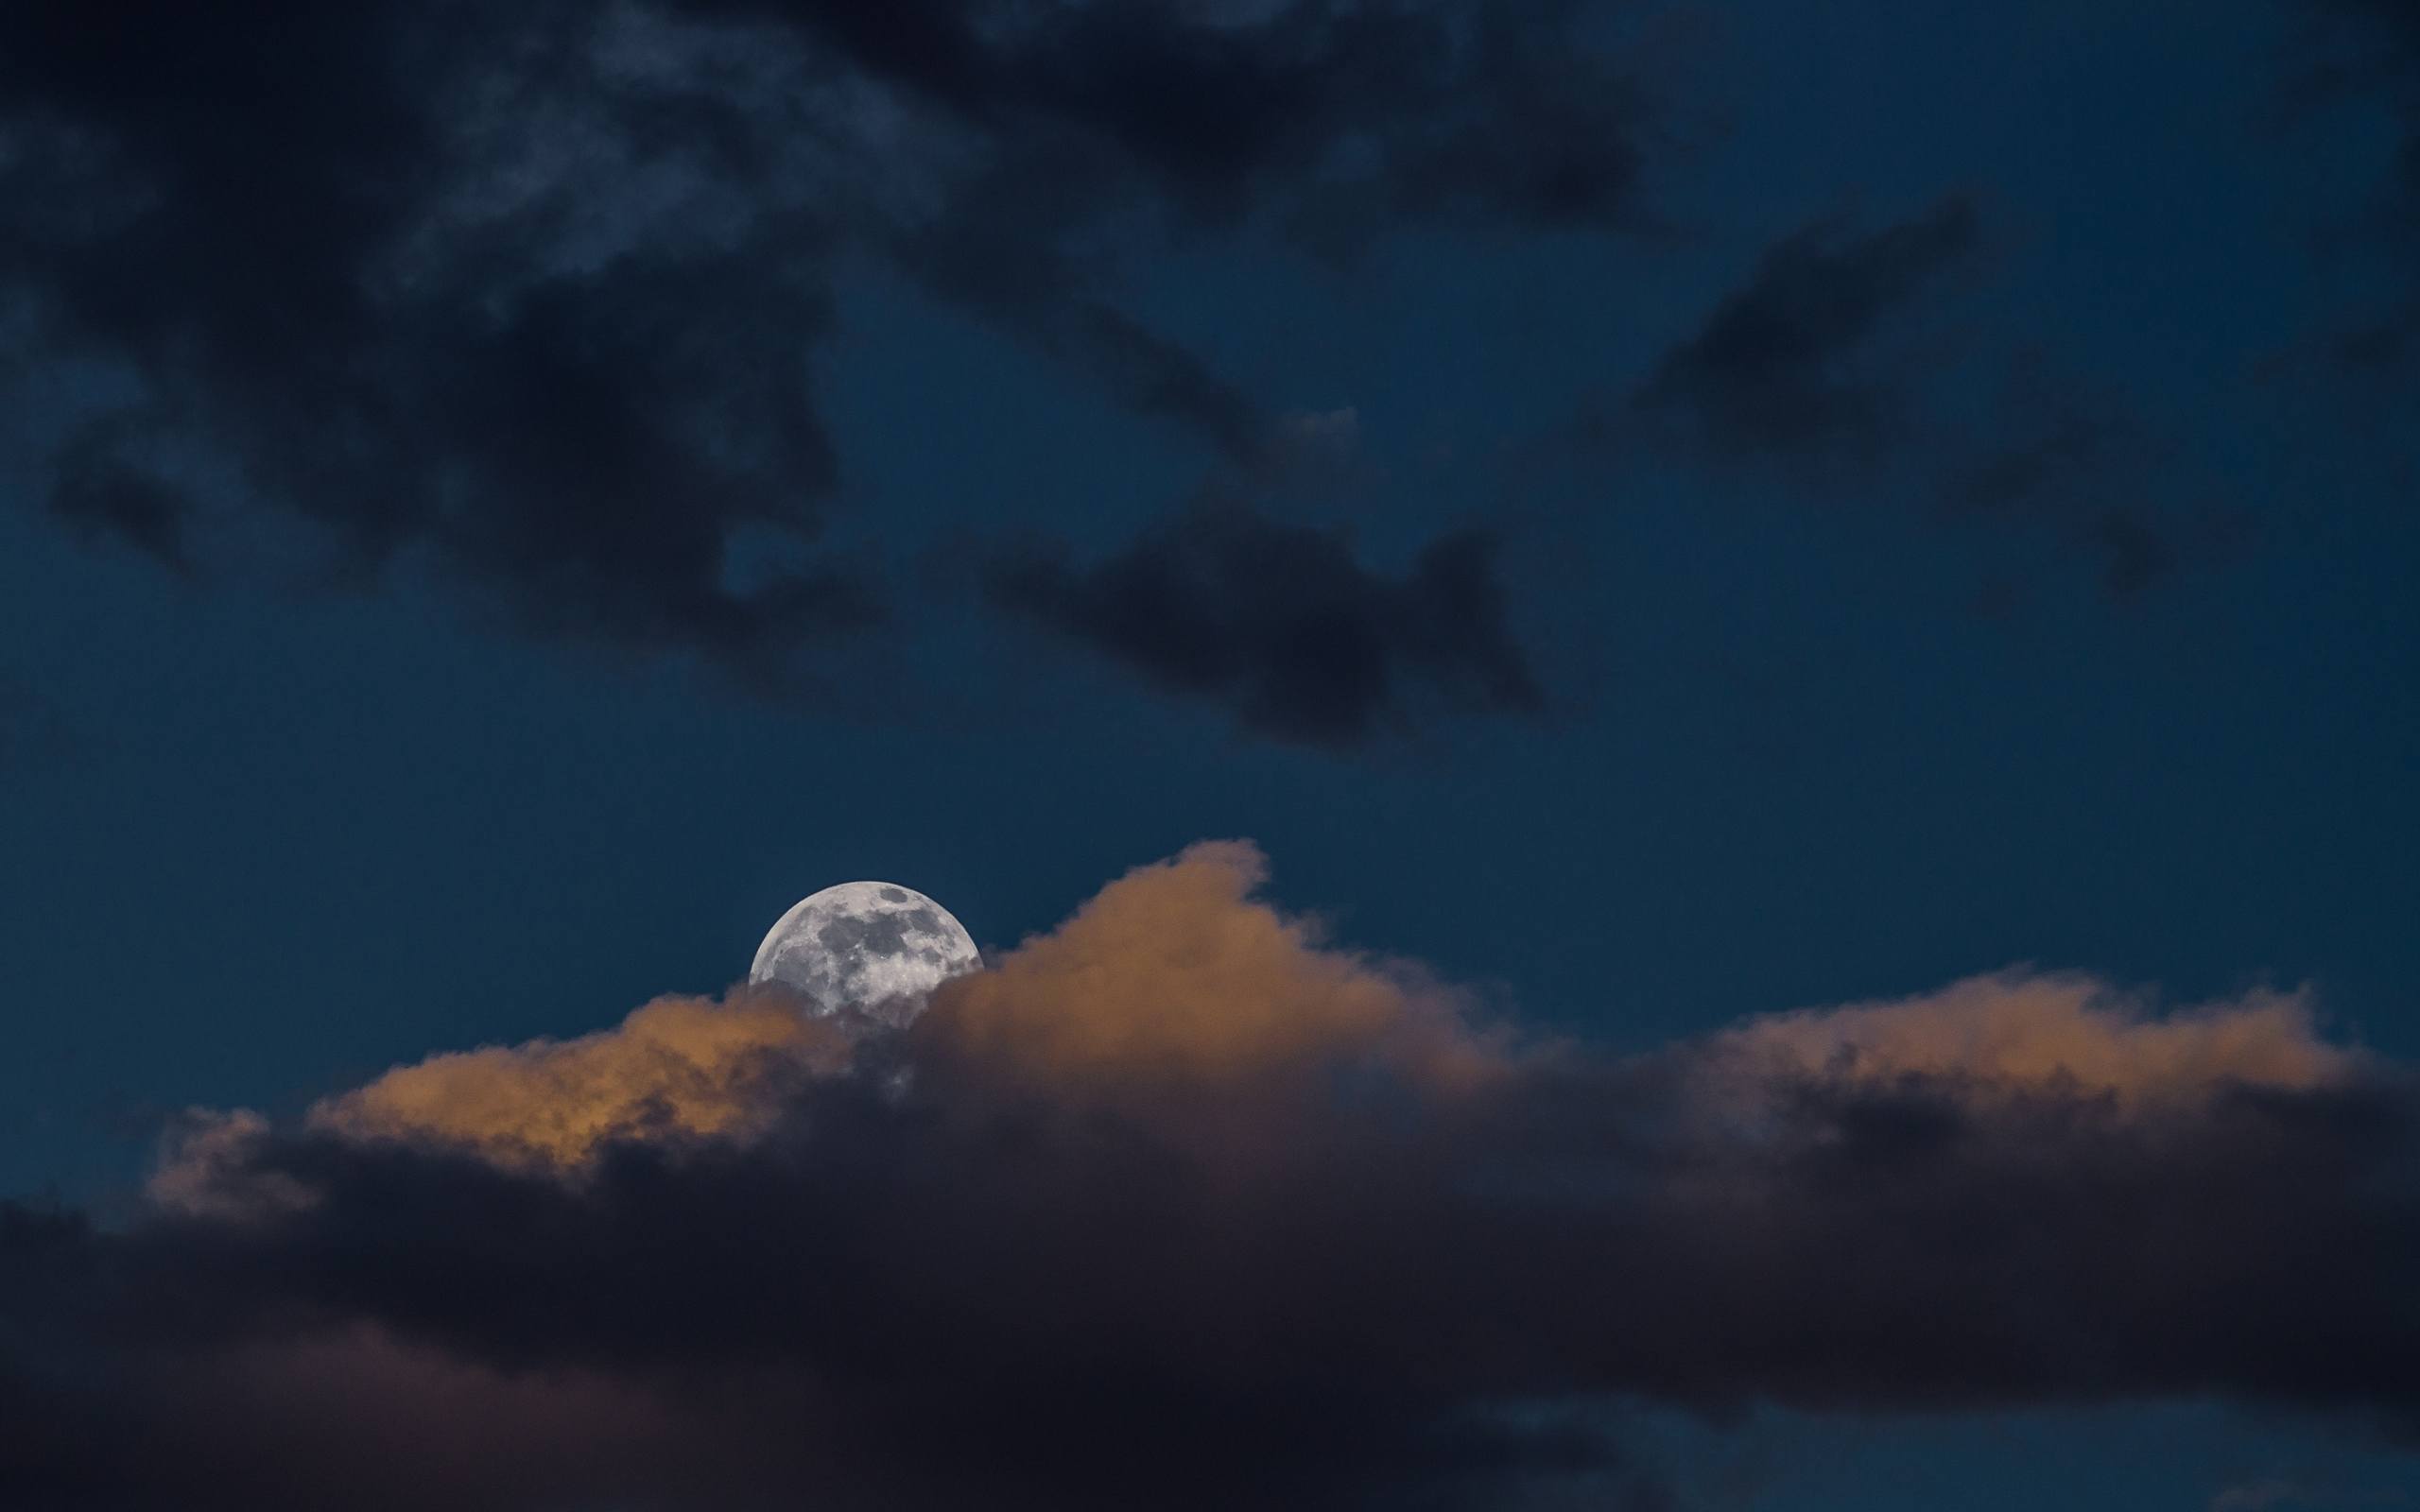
[866,946]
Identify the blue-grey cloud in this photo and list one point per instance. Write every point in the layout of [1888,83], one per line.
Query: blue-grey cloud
[534,291]
[1827,368]
[1280,624]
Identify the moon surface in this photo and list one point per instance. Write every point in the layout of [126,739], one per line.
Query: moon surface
[868,947]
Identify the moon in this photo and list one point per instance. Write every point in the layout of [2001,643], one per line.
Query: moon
[868,947]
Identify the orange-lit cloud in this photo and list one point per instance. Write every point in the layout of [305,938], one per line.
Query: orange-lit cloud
[1178,978]
[2057,1032]
[679,1068]
[1176,972]
[206,1168]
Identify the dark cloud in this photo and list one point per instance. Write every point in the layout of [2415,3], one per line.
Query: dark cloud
[2074,459]
[1786,364]
[282,241]
[531,291]
[1495,111]
[1282,624]
[1830,364]
[2360,52]
[95,491]
[1177,1207]
[2367,48]
[2387,348]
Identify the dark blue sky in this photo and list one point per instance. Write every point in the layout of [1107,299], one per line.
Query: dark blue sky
[1822,712]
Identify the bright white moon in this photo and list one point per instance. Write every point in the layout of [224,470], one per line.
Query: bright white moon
[869,946]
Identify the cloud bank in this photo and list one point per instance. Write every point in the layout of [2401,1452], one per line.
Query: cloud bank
[1184,1205]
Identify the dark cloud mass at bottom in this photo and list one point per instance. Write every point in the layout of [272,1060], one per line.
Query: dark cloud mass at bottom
[1180,1207]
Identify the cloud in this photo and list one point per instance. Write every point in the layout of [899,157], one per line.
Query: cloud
[679,1068]
[1308,441]
[534,294]
[2367,53]
[2075,459]
[1182,1205]
[1176,977]
[1281,626]
[308,304]
[2384,350]
[207,1167]
[2368,48]
[1828,366]
[2071,1035]
[1787,364]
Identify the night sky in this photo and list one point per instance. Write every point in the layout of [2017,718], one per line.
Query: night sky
[1681,736]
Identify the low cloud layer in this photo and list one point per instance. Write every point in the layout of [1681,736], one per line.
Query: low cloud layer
[1182,1205]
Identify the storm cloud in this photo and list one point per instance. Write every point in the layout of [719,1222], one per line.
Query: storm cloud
[1184,1205]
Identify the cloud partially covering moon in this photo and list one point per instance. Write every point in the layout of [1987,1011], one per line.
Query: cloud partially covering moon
[1276,1219]
[1176,976]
